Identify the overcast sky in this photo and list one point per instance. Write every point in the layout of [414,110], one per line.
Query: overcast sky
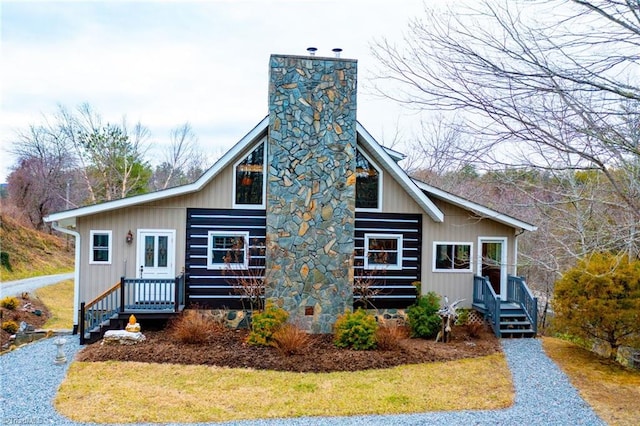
[165,63]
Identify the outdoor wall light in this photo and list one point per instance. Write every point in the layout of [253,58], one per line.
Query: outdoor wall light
[129,238]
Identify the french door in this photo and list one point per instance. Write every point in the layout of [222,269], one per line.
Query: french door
[156,253]
[156,259]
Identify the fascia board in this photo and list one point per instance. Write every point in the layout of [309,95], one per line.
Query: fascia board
[474,207]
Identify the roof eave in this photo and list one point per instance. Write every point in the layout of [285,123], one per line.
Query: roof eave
[476,208]
[213,171]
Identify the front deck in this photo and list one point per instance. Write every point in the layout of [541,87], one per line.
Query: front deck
[147,299]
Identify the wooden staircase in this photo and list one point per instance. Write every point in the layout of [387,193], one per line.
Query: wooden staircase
[514,317]
[514,321]
[98,330]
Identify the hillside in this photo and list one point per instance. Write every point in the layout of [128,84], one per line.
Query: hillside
[27,252]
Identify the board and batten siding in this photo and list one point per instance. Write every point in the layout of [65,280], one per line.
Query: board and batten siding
[168,213]
[460,226]
[96,278]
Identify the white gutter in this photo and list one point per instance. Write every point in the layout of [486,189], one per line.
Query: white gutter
[76,277]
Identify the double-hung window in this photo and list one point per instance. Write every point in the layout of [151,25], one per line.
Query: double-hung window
[227,250]
[452,257]
[100,248]
[383,251]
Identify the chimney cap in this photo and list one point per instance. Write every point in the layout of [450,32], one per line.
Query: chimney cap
[337,51]
[312,50]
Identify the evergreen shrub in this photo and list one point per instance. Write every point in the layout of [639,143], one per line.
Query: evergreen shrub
[356,330]
[423,317]
[265,324]
[10,303]
[10,327]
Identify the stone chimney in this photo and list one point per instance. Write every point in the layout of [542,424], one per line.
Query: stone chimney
[311,188]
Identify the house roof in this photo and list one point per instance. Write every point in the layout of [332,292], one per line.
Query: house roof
[67,218]
[385,157]
[479,209]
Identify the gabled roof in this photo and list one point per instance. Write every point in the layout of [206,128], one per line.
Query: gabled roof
[479,209]
[385,157]
[66,218]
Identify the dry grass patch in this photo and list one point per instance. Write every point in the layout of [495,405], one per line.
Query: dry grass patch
[612,390]
[32,253]
[194,327]
[179,393]
[58,299]
[388,337]
[289,339]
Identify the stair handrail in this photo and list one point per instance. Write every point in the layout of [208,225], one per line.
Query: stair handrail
[518,292]
[103,305]
[490,299]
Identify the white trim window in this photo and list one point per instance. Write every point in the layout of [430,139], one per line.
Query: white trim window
[227,250]
[249,183]
[368,183]
[100,247]
[452,256]
[383,251]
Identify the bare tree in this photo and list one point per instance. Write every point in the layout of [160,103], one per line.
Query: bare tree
[548,83]
[37,183]
[183,160]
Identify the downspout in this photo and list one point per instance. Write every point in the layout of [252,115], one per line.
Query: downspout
[76,277]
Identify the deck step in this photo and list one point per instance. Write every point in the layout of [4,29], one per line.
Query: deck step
[514,323]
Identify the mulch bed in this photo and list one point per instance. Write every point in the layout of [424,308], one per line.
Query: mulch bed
[26,311]
[227,348]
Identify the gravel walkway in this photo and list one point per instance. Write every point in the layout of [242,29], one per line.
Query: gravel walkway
[544,395]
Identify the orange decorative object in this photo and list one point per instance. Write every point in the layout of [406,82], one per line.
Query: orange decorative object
[132,319]
[247,181]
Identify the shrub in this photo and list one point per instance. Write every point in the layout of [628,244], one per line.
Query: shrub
[463,316]
[423,317]
[10,327]
[290,340]
[264,324]
[356,330]
[600,299]
[388,337]
[193,327]
[10,303]
[5,262]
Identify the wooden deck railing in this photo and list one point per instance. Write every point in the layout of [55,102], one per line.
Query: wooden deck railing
[147,294]
[518,292]
[483,293]
[132,295]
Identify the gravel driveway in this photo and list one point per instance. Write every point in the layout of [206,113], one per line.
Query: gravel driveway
[15,288]
[544,395]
